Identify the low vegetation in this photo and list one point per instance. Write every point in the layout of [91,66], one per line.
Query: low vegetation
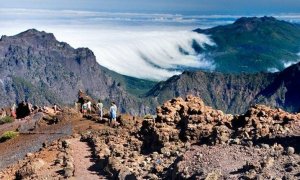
[6,119]
[8,135]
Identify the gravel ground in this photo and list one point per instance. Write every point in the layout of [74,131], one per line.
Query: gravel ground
[236,161]
[16,149]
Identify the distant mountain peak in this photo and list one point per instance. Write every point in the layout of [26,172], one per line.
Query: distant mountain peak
[254,44]
[31,31]
[247,23]
[264,19]
[36,33]
[251,23]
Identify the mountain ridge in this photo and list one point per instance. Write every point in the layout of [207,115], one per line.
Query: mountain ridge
[36,67]
[253,44]
[234,93]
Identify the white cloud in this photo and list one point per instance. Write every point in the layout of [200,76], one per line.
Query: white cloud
[288,64]
[139,45]
[144,54]
[273,70]
[136,44]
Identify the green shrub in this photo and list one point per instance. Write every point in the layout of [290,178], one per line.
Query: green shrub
[6,119]
[8,135]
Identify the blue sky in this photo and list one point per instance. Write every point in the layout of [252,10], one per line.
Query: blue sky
[164,6]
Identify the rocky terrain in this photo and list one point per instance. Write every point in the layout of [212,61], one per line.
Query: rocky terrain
[235,93]
[185,140]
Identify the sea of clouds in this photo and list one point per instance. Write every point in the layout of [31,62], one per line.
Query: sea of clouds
[134,44]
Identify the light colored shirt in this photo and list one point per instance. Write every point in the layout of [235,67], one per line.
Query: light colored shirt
[14,107]
[99,106]
[89,105]
[113,109]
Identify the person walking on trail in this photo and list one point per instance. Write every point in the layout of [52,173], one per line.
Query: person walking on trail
[113,113]
[89,107]
[100,109]
[55,108]
[13,111]
[30,107]
[2,113]
[84,108]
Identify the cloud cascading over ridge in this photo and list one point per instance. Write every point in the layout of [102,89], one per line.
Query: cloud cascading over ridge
[144,54]
[149,46]
[151,54]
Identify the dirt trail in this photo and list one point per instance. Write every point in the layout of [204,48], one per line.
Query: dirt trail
[85,166]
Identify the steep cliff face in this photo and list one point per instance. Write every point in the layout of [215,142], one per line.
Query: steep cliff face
[235,93]
[284,90]
[35,67]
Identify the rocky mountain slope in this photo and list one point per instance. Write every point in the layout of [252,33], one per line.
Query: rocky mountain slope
[37,68]
[187,140]
[235,93]
[253,44]
[244,53]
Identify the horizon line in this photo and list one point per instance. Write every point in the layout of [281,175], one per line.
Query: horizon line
[198,15]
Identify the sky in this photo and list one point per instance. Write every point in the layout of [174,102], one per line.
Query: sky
[164,6]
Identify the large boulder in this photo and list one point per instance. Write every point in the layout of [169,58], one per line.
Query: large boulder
[30,169]
[31,124]
[188,120]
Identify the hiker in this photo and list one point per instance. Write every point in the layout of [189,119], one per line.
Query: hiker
[89,107]
[84,108]
[113,113]
[80,93]
[3,113]
[55,108]
[81,100]
[30,107]
[13,111]
[100,109]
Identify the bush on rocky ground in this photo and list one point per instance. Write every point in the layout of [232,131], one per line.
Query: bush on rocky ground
[6,119]
[8,135]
